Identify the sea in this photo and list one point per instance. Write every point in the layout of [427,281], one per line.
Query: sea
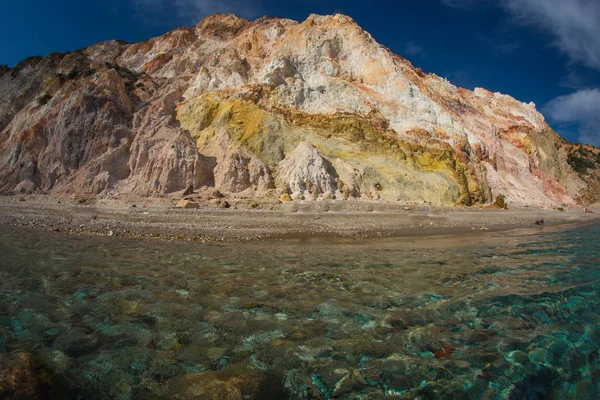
[490,315]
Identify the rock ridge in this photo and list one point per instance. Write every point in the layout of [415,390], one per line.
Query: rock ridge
[314,110]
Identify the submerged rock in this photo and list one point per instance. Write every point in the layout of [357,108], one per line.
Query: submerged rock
[23,377]
[236,383]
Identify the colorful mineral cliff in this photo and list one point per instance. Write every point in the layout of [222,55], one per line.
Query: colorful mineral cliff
[274,107]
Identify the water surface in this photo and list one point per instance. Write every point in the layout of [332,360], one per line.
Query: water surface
[492,316]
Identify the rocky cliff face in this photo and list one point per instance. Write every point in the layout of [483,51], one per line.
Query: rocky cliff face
[314,109]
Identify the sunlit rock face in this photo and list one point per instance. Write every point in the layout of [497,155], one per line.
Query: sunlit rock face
[316,109]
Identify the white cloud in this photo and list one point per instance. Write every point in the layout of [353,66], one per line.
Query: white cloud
[574,24]
[192,11]
[582,108]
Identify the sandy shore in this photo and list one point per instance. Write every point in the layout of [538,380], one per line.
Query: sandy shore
[157,218]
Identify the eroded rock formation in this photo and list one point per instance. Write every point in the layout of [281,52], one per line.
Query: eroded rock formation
[317,109]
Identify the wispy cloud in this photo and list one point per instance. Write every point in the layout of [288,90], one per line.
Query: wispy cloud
[465,4]
[579,77]
[506,48]
[192,11]
[461,78]
[500,43]
[413,49]
[582,108]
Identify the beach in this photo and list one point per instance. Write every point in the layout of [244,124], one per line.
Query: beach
[157,218]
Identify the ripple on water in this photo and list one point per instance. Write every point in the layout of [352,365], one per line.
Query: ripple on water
[508,315]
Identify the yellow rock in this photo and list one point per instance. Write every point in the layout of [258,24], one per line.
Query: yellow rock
[285,198]
[236,383]
[187,204]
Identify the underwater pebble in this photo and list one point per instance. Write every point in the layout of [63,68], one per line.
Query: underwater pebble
[216,353]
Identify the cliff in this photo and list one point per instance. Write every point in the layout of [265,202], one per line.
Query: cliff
[314,109]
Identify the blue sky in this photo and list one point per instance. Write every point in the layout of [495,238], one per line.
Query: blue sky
[545,51]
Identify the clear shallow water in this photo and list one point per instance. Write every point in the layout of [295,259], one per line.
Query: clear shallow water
[494,316]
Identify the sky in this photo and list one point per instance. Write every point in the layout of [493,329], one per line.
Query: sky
[545,51]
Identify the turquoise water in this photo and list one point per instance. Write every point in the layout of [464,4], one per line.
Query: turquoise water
[493,316]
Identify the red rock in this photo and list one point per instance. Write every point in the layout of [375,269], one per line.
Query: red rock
[445,351]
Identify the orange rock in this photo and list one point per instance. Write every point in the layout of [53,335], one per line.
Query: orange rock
[284,198]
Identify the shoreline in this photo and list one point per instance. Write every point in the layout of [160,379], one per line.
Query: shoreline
[156,218]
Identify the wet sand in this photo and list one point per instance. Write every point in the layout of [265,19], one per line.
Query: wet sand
[156,218]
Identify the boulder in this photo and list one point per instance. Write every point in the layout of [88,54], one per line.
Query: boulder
[306,173]
[240,170]
[25,186]
[187,204]
[500,202]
